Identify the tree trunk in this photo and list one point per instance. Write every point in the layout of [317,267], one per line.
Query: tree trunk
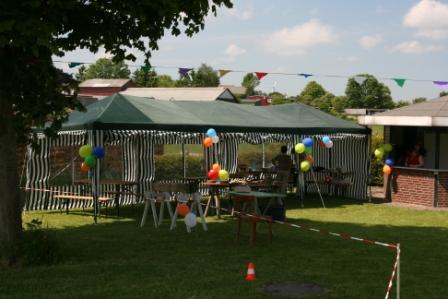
[10,201]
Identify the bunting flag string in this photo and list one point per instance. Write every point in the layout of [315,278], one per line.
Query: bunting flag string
[183,71]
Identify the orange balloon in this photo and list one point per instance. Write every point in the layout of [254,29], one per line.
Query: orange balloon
[208,142]
[216,167]
[387,170]
[84,167]
[183,209]
[309,158]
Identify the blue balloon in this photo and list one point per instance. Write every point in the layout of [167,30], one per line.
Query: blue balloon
[308,142]
[389,162]
[326,139]
[98,152]
[211,133]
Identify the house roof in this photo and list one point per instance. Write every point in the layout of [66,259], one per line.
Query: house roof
[235,89]
[199,94]
[104,83]
[432,113]
[124,112]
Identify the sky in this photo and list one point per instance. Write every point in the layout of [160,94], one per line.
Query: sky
[388,39]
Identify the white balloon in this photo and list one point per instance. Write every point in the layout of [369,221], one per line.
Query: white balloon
[190,220]
[215,139]
[329,144]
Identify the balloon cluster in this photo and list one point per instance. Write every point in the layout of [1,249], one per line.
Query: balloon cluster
[217,173]
[382,151]
[90,154]
[306,147]
[189,217]
[212,137]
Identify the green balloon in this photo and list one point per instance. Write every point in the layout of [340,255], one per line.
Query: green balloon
[387,147]
[379,153]
[90,160]
[308,150]
[300,148]
[223,175]
[85,150]
[305,166]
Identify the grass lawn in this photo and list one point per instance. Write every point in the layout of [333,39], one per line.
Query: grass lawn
[117,259]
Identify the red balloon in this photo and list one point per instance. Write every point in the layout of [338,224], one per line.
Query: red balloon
[84,167]
[183,209]
[213,174]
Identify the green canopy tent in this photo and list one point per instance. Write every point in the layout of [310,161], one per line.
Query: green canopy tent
[140,123]
[123,112]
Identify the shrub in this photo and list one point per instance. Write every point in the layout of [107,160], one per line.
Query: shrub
[169,166]
[376,171]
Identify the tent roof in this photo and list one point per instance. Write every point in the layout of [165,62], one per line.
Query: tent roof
[433,113]
[135,113]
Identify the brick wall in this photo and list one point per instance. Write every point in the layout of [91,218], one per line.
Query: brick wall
[413,186]
[442,190]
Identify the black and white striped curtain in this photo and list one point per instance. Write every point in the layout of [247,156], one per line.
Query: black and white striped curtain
[350,153]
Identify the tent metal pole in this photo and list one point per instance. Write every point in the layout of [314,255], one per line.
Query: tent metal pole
[183,161]
[264,155]
[398,270]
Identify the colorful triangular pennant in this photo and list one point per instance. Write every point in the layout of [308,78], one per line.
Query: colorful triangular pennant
[184,71]
[441,84]
[400,82]
[222,73]
[360,79]
[74,64]
[260,75]
[305,75]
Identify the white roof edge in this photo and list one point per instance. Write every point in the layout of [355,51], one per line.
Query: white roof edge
[416,121]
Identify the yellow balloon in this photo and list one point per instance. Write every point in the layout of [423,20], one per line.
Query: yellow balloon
[223,175]
[300,148]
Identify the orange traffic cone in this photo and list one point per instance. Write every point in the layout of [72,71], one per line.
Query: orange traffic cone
[250,272]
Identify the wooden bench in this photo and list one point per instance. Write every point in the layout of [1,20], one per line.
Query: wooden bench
[67,198]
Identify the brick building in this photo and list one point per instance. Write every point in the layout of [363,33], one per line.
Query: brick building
[424,124]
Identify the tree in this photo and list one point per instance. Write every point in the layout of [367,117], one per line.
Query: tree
[279,98]
[369,94]
[205,76]
[400,104]
[418,100]
[144,78]
[166,81]
[250,81]
[443,93]
[311,92]
[315,95]
[104,68]
[339,104]
[31,90]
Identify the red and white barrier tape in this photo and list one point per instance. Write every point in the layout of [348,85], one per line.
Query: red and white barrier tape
[343,236]
[395,270]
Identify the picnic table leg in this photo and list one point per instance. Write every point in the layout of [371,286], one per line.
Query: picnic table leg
[162,207]
[197,201]
[208,204]
[173,220]
[145,214]
[218,205]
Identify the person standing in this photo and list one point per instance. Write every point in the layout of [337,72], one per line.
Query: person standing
[283,164]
